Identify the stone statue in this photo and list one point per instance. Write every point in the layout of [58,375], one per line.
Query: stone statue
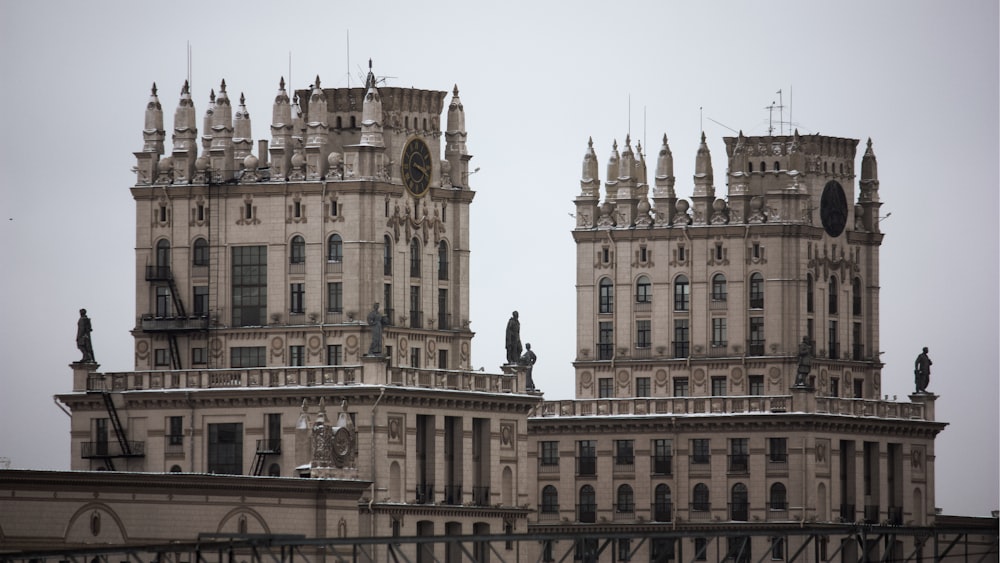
[513,339]
[376,320]
[805,362]
[922,371]
[83,330]
[528,360]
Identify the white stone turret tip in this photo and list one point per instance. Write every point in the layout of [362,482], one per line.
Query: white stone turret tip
[281,83]
[186,89]
[316,85]
[154,94]
[590,143]
[211,96]
[454,91]
[222,87]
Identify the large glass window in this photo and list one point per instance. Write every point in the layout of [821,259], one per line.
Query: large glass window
[606,296]
[662,456]
[296,355]
[587,509]
[626,499]
[225,448]
[662,505]
[334,354]
[200,300]
[335,249]
[643,290]
[162,301]
[605,388]
[680,387]
[756,343]
[699,500]
[833,289]
[756,291]
[549,453]
[550,500]
[700,450]
[682,294]
[249,285]
[415,308]
[642,387]
[335,297]
[297,298]
[778,497]
[298,250]
[247,357]
[624,452]
[740,504]
[586,460]
[718,386]
[719,290]
[856,296]
[739,455]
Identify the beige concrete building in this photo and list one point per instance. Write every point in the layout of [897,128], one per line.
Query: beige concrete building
[704,427]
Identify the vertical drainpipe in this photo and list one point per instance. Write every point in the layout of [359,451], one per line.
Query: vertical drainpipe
[191,404]
[371,499]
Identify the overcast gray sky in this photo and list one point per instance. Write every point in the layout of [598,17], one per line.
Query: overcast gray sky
[537,79]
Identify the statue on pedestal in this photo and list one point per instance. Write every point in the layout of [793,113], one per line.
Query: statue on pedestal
[805,362]
[528,360]
[376,320]
[513,339]
[922,371]
[83,342]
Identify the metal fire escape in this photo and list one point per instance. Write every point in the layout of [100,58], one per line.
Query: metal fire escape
[175,324]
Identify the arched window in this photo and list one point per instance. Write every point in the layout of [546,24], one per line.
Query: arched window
[810,290]
[587,509]
[550,499]
[763,167]
[719,291]
[442,260]
[298,253]
[626,499]
[335,249]
[200,254]
[833,295]
[682,294]
[414,258]
[739,504]
[175,468]
[163,253]
[778,498]
[606,296]
[776,166]
[387,256]
[699,501]
[643,290]
[274,470]
[662,504]
[856,296]
[750,167]
[756,291]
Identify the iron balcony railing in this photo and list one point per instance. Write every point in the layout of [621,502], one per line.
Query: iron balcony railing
[269,446]
[102,449]
[158,273]
[425,493]
[755,347]
[453,494]
[663,465]
[586,513]
[152,323]
[739,463]
[481,495]
[663,511]
[586,465]
[739,511]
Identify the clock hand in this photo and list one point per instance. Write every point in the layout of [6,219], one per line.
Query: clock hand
[421,168]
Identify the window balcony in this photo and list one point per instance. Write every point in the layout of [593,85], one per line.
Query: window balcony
[444,322]
[718,303]
[663,465]
[158,273]
[755,347]
[643,306]
[624,465]
[624,512]
[605,351]
[663,511]
[756,301]
[700,511]
[416,319]
[151,323]
[297,267]
[548,513]
[270,446]
[586,466]
[739,511]
[847,513]
[586,513]
[425,493]
[718,349]
[682,348]
[453,494]
[547,466]
[481,495]
[871,513]
[739,464]
[895,515]
[642,351]
[103,449]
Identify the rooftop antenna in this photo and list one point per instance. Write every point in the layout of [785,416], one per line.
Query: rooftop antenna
[348,58]
[701,118]
[781,113]
[722,124]
[630,114]
[291,85]
[190,86]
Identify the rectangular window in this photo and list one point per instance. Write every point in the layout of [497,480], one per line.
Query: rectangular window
[834,387]
[298,297]
[680,387]
[225,448]
[200,300]
[777,549]
[624,452]
[296,355]
[444,319]
[682,294]
[739,455]
[162,302]
[662,456]
[857,351]
[199,356]
[415,309]
[859,388]
[605,390]
[586,461]
[175,430]
[700,450]
[642,387]
[387,302]
[756,344]
[719,339]
[700,549]
[719,386]
[414,356]
[247,357]
[273,435]
[682,335]
[718,251]
[642,334]
[249,275]
[681,253]
[756,384]
[334,354]
[335,297]
[605,340]
[443,359]
[832,342]
[777,450]
[549,452]
[160,357]
[624,549]
[756,250]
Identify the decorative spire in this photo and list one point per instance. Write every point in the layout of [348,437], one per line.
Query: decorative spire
[371,113]
[589,175]
[242,136]
[613,161]
[152,132]
[626,167]
[703,171]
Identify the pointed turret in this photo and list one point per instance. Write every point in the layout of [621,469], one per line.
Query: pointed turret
[611,186]
[456,152]
[207,122]
[371,113]
[626,165]
[589,181]
[664,197]
[868,199]
[317,142]
[704,192]
[242,136]
[281,133]
[185,137]
[221,152]
[152,133]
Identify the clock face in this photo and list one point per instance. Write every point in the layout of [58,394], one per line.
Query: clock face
[416,167]
[833,208]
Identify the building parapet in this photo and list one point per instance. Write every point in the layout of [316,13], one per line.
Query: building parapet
[728,405]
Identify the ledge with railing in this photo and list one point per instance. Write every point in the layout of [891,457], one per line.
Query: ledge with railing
[744,404]
[234,378]
[90,450]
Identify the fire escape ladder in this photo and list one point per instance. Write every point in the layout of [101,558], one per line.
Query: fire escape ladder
[176,297]
[175,353]
[116,424]
[258,464]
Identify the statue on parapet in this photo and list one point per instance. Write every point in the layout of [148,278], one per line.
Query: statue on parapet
[376,320]
[805,363]
[922,371]
[528,360]
[83,342]
[513,339]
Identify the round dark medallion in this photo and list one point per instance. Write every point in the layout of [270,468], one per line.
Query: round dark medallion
[833,208]
[416,167]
